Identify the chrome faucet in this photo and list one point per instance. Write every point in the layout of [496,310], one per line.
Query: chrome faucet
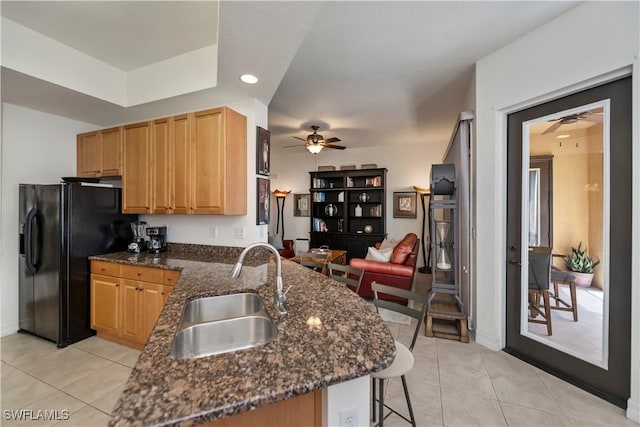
[279,295]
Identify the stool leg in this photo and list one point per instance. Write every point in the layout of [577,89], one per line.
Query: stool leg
[574,300]
[381,403]
[547,310]
[373,399]
[406,394]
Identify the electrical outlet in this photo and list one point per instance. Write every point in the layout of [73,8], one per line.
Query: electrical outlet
[213,232]
[240,232]
[349,417]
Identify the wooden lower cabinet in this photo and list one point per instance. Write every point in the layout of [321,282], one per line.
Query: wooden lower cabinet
[305,410]
[105,303]
[125,308]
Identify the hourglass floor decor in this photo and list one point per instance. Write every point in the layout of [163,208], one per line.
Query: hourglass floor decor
[445,311]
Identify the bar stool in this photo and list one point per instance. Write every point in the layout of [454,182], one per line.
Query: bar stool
[403,362]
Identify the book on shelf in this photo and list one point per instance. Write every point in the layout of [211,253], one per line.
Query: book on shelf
[319,225]
[375,210]
[319,197]
[375,181]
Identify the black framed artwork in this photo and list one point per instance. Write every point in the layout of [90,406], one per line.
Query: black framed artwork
[262,198]
[404,204]
[301,205]
[263,151]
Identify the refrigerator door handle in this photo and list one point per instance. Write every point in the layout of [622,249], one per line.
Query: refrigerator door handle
[29,236]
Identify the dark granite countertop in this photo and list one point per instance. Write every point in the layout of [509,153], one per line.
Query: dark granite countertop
[351,342]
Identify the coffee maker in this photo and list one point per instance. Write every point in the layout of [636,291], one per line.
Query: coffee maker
[139,244]
[157,239]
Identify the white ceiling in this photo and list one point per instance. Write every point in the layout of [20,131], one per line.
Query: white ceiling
[368,72]
[127,35]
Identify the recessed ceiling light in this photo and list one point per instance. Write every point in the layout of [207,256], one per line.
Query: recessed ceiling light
[249,79]
[564,136]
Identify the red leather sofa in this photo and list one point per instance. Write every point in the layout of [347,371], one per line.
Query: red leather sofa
[398,272]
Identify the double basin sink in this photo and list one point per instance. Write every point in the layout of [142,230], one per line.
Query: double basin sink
[222,324]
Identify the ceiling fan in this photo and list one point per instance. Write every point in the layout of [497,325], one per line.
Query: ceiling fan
[589,116]
[316,142]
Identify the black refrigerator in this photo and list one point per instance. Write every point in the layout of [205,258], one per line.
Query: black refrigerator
[60,226]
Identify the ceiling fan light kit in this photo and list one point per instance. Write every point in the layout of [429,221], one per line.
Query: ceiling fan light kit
[316,142]
[314,148]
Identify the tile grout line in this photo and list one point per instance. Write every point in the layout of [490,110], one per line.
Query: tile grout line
[484,365]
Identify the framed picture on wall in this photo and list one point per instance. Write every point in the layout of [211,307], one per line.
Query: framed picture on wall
[404,204]
[262,195]
[301,204]
[263,149]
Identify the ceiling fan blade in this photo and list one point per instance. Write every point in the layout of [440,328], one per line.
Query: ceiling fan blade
[338,147]
[301,139]
[330,140]
[552,128]
[596,118]
[293,146]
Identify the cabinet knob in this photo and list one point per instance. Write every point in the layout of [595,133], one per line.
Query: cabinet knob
[139,274]
[117,286]
[98,171]
[103,269]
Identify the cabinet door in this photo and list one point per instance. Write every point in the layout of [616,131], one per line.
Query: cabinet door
[152,303]
[161,167]
[105,304]
[207,169]
[111,152]
[180,137]
[89,154]
[136,169]
[131,310]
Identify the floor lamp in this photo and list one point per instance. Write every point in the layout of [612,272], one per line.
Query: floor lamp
[424,192]
[280,195]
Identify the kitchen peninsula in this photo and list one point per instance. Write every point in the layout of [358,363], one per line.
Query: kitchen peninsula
[304,360]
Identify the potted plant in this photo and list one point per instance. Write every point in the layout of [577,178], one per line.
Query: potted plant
[581,265]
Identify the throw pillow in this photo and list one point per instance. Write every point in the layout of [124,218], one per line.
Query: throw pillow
[388,244]
[276,241]
[374,254]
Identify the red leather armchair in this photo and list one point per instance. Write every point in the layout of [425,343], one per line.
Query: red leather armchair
[398,272]
[287,251]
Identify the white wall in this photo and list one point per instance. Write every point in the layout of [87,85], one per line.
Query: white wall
[407,164]
[37,148]
[599,38]
[197,228]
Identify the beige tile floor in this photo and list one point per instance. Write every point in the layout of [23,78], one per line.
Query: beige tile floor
[452,384]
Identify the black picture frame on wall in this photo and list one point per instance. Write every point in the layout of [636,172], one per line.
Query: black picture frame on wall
[263,151]
[263,192]
[404,204]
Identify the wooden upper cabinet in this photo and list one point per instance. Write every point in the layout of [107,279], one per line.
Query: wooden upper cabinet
[99,153]
[136,174]
[112,152]
[180,136]
[219,162]
[161,179]
[193,163]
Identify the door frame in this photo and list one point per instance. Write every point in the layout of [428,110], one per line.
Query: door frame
[492,332]
[608,377]
[501,115]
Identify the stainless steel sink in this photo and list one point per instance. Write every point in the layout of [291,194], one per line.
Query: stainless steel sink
[222,336]
[221,307]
